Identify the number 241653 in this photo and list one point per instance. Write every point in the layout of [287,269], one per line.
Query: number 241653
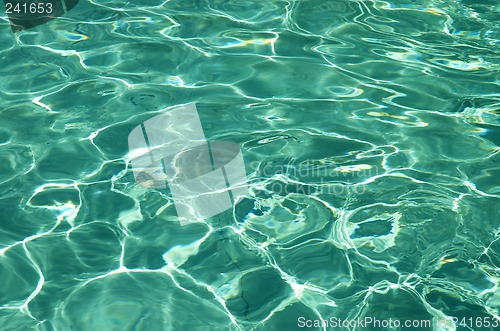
[28,8]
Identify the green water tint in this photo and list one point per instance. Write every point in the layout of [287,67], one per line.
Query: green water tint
[369,132]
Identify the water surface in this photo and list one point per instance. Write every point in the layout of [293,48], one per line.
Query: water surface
[370,131]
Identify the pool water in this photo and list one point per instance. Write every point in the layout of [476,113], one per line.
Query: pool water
[370,137]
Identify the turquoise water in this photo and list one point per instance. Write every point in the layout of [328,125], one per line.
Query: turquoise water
[370,134]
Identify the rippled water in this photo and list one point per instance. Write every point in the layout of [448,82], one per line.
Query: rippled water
[370,132]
